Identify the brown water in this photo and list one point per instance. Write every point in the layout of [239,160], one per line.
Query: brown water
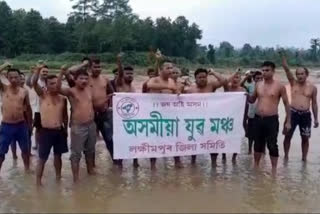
[228,188]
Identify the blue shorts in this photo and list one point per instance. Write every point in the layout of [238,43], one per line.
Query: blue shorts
[11,133]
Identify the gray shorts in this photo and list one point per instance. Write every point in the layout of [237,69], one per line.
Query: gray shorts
[83,139]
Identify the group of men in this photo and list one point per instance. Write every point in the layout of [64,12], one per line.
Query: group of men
[90,94]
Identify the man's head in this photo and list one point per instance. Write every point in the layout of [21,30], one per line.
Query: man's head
[128,74]
[268,69]
[44,72]
[81,78]
[115,73]
[175,74]
[151,73]
[95,67]
[166,69]
[302,74]
[13,76]
[249,74]
[257,77]
[51,83]
[236,79]
[22,79]
[201,76]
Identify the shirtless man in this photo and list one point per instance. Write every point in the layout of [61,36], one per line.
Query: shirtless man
[268,94]
[151,73]
[28,118]
[37,116]
[83,128]
[14,126]
[124,84]
[54,123]
[303,95]
[235,86]
[165,85]
[176,73]
[203,85]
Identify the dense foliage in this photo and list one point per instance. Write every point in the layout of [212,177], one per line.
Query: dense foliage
[106,27]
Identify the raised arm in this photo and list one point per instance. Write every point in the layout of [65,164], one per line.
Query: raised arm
[76,68]
[119,79]
[285,100]
[35,79]
[63,91]
[287,69]
[243,82]
[2,68]
[315,107]
[221,80]
[158,56]
[30,77]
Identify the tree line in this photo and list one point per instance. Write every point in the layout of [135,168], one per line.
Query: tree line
[107,27]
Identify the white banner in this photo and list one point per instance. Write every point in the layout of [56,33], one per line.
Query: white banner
[162,125]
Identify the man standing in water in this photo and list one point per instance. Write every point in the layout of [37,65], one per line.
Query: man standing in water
[257,77]
[165,85]
[203,85]
[14,126]
[303,95]
[54,122]
[268,94]
[28,118]
[83,128]
[124,84]
[235,86]
[37,115]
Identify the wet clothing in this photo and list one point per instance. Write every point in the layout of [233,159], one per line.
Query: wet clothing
[104,122]
[56,138]
[83,139]
[251,128]
[14,132]
[301,119]
[37,120]
[266,133]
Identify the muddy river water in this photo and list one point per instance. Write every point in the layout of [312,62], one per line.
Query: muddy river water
[227,188]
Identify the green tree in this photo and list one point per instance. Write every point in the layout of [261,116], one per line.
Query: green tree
[85,8]
[5,28]
[315,43]
[211,55]
[226,49]
[110,9]
[33,33]
[55,35]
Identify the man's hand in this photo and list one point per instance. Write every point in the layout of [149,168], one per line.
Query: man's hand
[6,64]
[64,70]
[316,123]
[287,127]
[158,54]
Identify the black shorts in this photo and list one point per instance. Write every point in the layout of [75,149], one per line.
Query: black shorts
[251,127]
[266,133]
[55,138]
[301,119]
[37,120]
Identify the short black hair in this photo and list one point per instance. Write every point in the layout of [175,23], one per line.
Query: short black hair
[164,62]
[86,59]
[128,68]
[13,70]
[22,74]
[268,64]
[256,73]
[150,70]
[306,70]
[115,70]
[51,76]
[94,60]
[79,73]
[200,70]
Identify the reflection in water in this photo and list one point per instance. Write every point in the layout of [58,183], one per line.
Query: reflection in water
[228,188]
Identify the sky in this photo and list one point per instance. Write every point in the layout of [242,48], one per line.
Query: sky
[288,23]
